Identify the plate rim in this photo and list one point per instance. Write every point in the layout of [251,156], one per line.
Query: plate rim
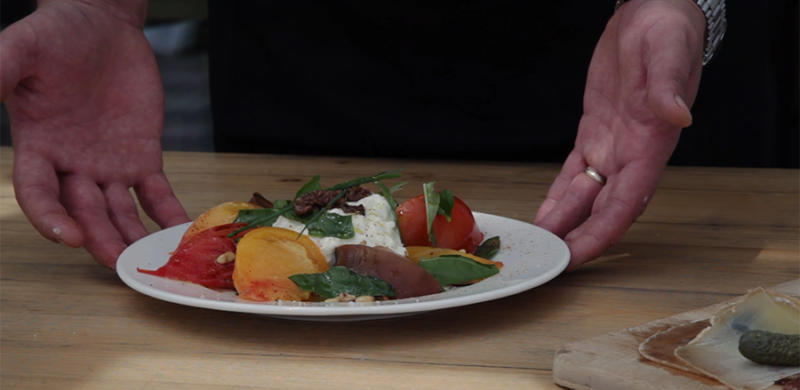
[345,309]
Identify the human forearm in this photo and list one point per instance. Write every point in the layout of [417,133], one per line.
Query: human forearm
[133,12]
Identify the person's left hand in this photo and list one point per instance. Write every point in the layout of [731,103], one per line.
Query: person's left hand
[642,79]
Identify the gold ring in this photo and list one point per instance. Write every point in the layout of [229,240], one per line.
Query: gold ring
[591,172]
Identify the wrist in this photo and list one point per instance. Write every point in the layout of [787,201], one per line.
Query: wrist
[707,16]
[133,12]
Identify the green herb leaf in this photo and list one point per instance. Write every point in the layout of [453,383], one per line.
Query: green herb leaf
[294,217]
[456,269]
[339,280]
[446,204]
[431,207]
[398,186]
[368,179]
[258,218]
[253,215]
[327,225]
[317,215]
[311,186]
[281,203]
[387,192]
[489,248]
[343,186]
[332,225]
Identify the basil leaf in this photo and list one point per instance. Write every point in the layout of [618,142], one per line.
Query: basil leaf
[251,215]
[368,179]
[446,204]
[489,248]
[258,217]
[456,269]
[280,203]
[343,186]
[311,186]
[338,280]
[431,207]
[317,215]
[327,225]
[294,217]
[332,225]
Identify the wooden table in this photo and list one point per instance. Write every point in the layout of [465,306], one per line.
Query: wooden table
[67,323]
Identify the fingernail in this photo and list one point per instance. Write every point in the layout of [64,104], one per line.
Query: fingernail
[682,104]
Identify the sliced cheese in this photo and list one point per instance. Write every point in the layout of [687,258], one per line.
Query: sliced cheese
[660,347]
[715,351]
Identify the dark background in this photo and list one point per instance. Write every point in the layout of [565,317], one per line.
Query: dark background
[746,113]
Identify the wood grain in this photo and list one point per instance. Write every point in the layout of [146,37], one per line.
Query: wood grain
[66,323]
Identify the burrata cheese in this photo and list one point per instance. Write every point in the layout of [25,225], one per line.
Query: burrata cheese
[376,228]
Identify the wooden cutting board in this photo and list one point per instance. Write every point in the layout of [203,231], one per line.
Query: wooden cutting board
[612,361]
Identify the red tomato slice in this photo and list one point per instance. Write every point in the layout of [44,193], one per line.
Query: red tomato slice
[196,260]
[461,232]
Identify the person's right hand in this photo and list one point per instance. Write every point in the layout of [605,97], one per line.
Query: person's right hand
[86,108]
[643,77]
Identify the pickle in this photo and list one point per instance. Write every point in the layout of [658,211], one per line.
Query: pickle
[774,349]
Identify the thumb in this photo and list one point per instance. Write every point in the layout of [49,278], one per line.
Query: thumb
[670,70]
[17,53]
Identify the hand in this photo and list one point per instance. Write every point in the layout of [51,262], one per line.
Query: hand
[86,108]
[642,79]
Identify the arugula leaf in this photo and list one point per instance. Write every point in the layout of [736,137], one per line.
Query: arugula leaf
[456,269]
[446,204]
[332,225]
[259,217]
[348,184]
[398,186]
[329,227]
[253,215]
[488,248]
[311,186]
[387,192]
[368,179]
[339,280]
[431,207]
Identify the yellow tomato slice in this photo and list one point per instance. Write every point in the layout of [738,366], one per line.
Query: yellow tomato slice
[267,256]
[218,215]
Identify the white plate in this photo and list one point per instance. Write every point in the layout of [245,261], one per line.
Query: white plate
[531,256]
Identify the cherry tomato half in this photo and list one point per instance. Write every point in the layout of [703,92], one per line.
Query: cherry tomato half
[461,232]
[196,260]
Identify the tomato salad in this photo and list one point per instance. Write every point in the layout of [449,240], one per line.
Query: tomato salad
[338,244]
